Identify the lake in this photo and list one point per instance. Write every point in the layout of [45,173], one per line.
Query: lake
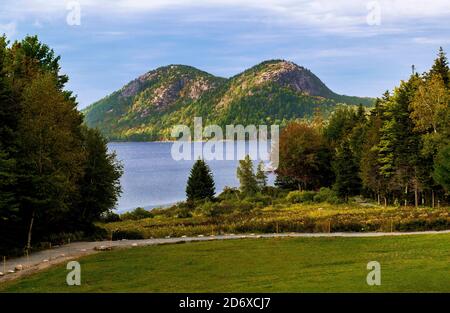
[152,178]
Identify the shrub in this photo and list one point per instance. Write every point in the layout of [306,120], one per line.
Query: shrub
[110,217]
[246,206]
[273,192]
[229,193]
[63,238]
[300,196]
[126,234]
[136,214]
[260,198]
[184,213]
[326,195]
[215,209]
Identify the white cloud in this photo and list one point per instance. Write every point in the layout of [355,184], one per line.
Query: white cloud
[431,40]
[9,29]
[345,17]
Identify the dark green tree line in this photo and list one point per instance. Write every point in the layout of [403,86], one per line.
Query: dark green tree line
[398,152]
[56,176]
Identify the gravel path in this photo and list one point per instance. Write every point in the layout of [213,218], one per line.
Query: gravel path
[18,267]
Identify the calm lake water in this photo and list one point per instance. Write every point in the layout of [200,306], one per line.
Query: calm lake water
[153,178]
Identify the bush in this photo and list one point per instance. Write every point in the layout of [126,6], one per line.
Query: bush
[126,234]
[110,217]
[184,213]
[246,205]
[262,200]
[273,192]
[136,214]
[300,196]
[211,209]
[229,193]
[63,238]
[327,195]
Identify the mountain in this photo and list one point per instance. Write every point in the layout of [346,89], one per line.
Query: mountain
[271,92]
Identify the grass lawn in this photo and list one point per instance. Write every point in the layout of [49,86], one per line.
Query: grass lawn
[408,264]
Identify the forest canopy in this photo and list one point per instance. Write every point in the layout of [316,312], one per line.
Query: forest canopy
[397,153]
[56,175]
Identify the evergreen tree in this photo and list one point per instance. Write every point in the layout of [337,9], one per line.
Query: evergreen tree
[341,123]
[261,176]
[286,182]
[53,154]
[200,184]
[55,176]
[246,176]
[29,57]
[399,145]
[9,114]
[371,177]
[346,171]
[440,67]
[442,168]
[100,185]
[9,213]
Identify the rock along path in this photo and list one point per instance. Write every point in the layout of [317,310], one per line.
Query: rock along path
[46,258]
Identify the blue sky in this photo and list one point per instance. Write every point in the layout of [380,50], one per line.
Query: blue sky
[356,47]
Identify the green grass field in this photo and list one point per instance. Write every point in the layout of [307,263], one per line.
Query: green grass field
[419,263]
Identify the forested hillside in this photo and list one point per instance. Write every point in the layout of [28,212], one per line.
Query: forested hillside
[272,92]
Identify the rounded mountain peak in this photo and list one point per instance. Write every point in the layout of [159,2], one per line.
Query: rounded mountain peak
[289,74]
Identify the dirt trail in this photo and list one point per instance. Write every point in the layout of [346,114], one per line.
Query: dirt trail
[46,258]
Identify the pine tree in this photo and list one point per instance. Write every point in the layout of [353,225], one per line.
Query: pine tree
[346,171]
[371,177]
[100,185]
[8,179]
[399,145]
[341,123]
[50,170]
[54,157]
[246,176]
[285,182]
[261,176]
[440,67]
[9,213]
[442,168]
[200,184]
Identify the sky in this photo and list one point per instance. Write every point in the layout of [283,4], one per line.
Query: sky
[355,47]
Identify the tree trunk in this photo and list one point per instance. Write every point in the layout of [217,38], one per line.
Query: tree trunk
[416,195]
[385,201]
[432,199]
[406,195]
[378,198]
[30,231]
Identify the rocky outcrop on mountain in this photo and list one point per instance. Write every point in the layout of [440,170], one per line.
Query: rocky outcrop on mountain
[147,107]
